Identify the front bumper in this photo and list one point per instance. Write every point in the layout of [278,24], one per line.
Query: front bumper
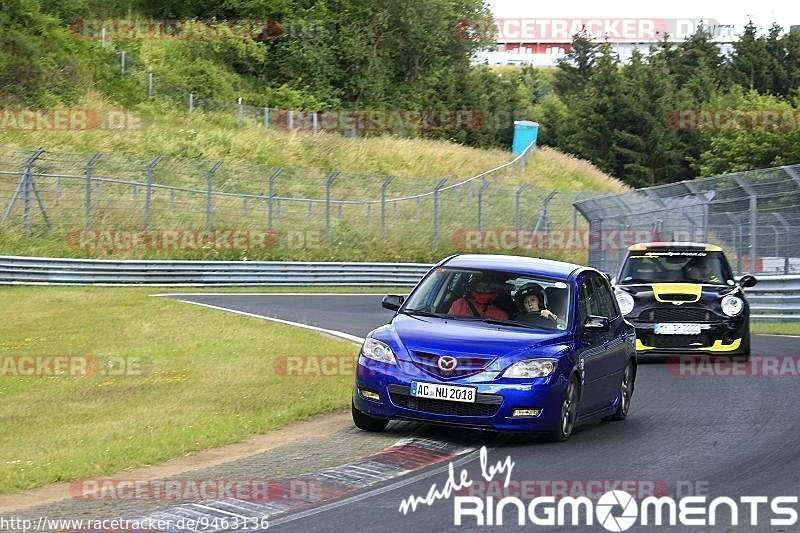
[716,337]
[496,400]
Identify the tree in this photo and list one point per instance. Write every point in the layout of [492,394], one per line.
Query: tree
[575,69]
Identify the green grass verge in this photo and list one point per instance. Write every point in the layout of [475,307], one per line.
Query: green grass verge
[211,382]
[775,328]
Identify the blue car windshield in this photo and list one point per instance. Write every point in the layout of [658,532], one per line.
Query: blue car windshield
[493,296]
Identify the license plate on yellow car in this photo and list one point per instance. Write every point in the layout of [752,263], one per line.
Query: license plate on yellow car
[677,329]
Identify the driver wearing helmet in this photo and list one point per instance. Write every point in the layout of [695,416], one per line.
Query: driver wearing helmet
[479,302]
[530,300]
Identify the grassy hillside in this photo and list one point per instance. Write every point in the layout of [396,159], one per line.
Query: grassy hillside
[417,163]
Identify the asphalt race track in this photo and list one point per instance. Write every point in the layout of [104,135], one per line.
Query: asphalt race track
[715,436]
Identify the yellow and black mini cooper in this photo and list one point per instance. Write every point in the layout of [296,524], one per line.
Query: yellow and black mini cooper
[683,298]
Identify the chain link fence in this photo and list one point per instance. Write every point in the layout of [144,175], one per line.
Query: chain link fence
[66,193]
[753,215]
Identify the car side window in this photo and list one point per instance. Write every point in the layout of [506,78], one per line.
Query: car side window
[585,299]
[602,300]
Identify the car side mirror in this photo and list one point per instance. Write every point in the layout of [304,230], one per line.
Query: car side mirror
[747,281]
[392,302]
[596,323]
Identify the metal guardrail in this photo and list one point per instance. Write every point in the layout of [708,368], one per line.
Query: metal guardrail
[35,270]
[774,298]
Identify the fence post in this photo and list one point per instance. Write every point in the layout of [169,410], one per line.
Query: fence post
[210,192]
[517,207]
[271,198]
[88,209]
[191,102]
[122,62]
[328,184]
[240,112]
[786,233]
[149,84]
[753,221]
[436,211]
[148,196]
[544,221]
[290,123]
[481,190]
[578,197]
[265,119]
[384,186]
[25,186]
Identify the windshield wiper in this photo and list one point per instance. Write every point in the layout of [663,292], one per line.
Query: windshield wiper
[505,322]
[634,281]
[420,312]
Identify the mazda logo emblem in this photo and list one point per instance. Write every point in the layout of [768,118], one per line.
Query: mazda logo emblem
[447,363]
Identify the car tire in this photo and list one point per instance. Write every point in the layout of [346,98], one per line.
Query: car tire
[625,394]
[366,422]
[569,412]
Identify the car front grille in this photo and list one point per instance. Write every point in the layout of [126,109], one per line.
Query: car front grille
[677,297]
[678,341]
[676,314]
[485,404]
[467,365]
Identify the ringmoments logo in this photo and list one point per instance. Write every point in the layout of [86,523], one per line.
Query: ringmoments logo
[617,510]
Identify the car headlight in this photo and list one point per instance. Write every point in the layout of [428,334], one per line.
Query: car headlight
[732,305]
[378,351]
[625,302]
[531,368]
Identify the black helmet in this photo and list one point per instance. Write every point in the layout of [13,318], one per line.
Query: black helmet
[527,290]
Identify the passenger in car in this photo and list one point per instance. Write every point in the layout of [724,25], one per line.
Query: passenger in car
[480,302]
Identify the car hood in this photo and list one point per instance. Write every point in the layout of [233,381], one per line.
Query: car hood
[438,335]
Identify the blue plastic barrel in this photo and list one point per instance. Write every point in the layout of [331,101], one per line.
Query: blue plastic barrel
[525,133]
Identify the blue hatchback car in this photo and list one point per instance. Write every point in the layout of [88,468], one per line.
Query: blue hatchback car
[502,343]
